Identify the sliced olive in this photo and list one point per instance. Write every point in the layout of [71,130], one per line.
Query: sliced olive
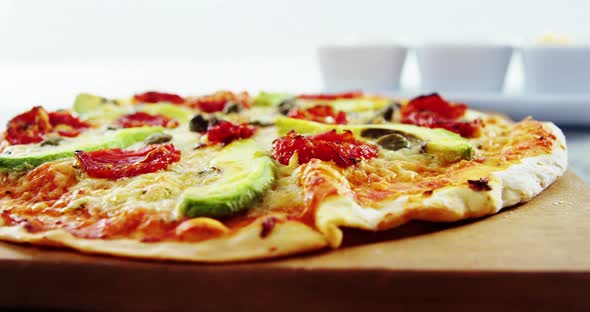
[157,138]
[286,106]
[198,124]
[386,114]
[232,107]
[389,111]
[53,141]
[111,128]
[393,142]
[373,133]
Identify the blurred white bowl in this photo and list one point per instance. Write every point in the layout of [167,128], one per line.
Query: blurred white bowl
[556,69]
[364,67]
[463,67]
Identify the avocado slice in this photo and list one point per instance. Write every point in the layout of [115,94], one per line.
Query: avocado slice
[270,98]
[169,110]
[92,106]
[246,172]
[359,105]
[23,157]
[448,146]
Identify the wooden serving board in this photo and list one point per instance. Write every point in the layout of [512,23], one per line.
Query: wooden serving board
[532,257]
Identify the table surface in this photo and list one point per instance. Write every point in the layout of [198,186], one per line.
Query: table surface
[533,254]
[578,140]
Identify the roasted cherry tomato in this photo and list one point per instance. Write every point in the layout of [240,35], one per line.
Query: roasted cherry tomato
[141,119]
[319,113]
[341,148]
[216,102]
[225,132]
[155,97]
[67,125]
[334,96]
[433,111]
[116,163]
[28,127]
[32,126]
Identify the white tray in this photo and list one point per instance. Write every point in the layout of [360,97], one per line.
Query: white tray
[565,109]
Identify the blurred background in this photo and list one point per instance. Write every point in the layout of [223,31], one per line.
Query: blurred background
[52,50]
[122,46]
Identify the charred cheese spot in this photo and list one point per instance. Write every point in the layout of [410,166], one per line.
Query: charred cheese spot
[267,226]
[479,185]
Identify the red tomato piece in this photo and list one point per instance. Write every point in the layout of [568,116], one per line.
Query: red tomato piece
[437,106]
[141,119]
[433,111]
[216,102]
[116,163]
[342,148]
[319,113]
[28,127]
[155,97]
[67,125]
[225,132]
[334,96]
[32,126]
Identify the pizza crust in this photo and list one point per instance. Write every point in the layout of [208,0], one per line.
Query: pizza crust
[516,184]
[287,237]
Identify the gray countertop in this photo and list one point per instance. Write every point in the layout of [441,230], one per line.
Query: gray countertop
[578,141]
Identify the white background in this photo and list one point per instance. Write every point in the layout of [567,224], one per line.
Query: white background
[50,50]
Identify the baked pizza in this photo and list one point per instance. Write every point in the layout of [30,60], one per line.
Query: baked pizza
[229,176]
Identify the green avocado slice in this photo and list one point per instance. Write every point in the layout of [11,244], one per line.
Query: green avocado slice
[447,145]
[246,172]
[24,157]
[91,106]
[270,98]
[169,110]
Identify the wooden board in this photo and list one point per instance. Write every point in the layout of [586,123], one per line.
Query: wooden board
[536,254]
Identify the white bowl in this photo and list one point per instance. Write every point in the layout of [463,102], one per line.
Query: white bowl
[556,69]
[362,67]
[463,67]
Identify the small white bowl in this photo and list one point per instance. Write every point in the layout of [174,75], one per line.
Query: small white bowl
[556,69]
[361,67]
[463,67]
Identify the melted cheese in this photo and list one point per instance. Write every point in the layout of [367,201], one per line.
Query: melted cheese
[157,192]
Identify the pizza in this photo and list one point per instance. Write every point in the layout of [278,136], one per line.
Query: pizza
[230,177]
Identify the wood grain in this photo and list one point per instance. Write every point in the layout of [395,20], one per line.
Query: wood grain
[534,256]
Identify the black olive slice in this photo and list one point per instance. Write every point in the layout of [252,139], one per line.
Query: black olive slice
[53,141]
[374,133]
[393,142]
[232,107]
[286,106]
[392,139]
[157,138]
[198,123]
